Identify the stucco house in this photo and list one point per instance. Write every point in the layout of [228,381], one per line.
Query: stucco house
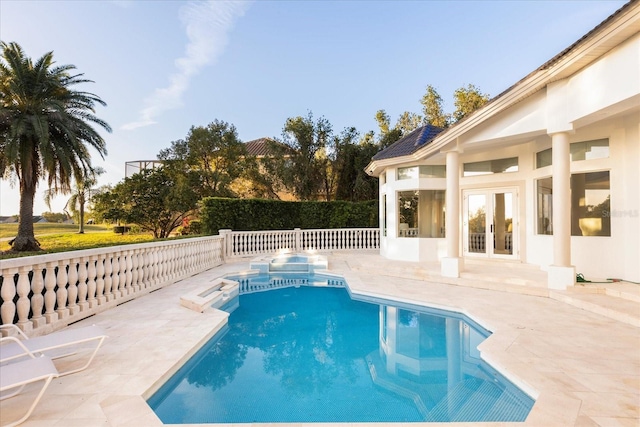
[546,173]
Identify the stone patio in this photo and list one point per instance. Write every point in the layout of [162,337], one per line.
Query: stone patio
[577,352]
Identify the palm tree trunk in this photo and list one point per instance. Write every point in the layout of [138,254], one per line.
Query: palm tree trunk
[25,240]
[81,217]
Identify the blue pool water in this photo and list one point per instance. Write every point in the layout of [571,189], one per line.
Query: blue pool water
[312,354]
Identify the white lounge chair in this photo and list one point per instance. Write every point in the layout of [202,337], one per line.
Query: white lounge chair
[19,374]
[20,346]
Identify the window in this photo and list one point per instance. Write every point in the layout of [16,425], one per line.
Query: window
[543,158]
[545,206]
[421,213]
[432,171]
[589,150]
[491,166]
[425,171]
[407,173]
[590,204]
[384,215]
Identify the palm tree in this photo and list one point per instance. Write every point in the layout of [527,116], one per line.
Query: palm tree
[80,196]
[45,129]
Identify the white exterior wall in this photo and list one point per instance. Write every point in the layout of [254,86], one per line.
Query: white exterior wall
[600,101]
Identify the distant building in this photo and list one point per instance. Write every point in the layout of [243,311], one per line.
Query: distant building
[136,166]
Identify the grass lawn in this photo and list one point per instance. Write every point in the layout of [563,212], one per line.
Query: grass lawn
[65,237]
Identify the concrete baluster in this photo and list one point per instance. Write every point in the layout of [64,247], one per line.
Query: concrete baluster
[129,271]
[83,289]
[92,285]
[7,292]
[115,276]
[37,299]
[153,266]
[100,280]
[23,305]
[134,270]
[143,273]
[50,294]
[124,285]
[162,268]
[139,268]
[72,287]
[62,280]
[108,278]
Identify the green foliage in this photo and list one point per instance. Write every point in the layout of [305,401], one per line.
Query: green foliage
[157,200]
[213,154]
[45,129]
[388,135]
[467,100]
[260,214]
[353,183]
[301,162]
[408,122]
[433,110]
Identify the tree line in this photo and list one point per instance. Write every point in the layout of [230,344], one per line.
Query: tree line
[46,128]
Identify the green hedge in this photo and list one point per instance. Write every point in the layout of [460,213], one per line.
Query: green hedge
[219,213]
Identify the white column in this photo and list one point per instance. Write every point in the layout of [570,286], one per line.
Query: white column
[452,264]
[561,273]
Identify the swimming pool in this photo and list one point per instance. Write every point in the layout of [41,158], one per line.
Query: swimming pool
[313,354]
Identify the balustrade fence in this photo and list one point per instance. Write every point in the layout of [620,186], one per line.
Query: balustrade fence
[47,292]
[477,242]
[247,243]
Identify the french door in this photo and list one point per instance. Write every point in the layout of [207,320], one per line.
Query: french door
[490,223]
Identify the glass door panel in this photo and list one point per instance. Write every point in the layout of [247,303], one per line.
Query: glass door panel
[502,223]
[489,228]
[477,223]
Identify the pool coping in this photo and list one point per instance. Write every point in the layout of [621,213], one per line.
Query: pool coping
[136,360]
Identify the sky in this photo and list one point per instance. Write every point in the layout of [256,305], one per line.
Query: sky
[165,66]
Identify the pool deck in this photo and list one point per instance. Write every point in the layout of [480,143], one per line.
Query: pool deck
[577,352]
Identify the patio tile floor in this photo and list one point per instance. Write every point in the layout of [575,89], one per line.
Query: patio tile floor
[582,366]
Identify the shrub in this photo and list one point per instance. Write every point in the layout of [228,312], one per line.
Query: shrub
[259,214]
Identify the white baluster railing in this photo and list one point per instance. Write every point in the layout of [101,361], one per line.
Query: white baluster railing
[250,243]
[47,292]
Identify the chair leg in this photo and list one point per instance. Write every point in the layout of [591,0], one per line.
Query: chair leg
[33,405]
[86,365]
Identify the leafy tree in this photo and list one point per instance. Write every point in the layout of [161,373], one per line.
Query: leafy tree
[467,100]
[214,152]
[388,135]
[352,156]
[80,196]
[432,108]
[45,129]
[155,199]
[408,122]
[384,122]
[302,161]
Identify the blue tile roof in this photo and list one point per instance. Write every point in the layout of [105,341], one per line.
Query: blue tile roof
[409,143]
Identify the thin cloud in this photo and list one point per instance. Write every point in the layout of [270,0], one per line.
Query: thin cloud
[207,25]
